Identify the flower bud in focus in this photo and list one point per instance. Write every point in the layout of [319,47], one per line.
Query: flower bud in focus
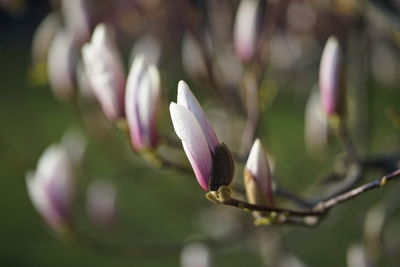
[258,178]
[211,161]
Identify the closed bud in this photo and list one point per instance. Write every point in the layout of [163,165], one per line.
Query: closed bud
[195,254]
[258,178]
[245,31]
[142,104]
[105,71]
[331,77]
[61,64]
[211,161]
[51,187]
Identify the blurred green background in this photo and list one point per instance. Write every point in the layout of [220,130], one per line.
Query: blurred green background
[157,205]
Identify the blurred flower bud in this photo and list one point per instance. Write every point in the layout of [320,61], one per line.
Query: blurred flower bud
[356,256]
[142,103]
[148,47]
[43,37]
[101,196]
[195,254]
[105,71]
[51,187]
[84,86]
[206,155]
[257,177]
[316,124]
[192,58]
[331,77]
[61,62]
[75,14]
[245,31]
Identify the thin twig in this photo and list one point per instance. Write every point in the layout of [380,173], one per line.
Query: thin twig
[330,203]
[320,209]
[253,207]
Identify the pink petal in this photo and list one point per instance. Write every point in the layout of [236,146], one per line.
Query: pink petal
[330,75]
[105,71]
[194,142]
[257,164]
[245,29]
[188,100]
[60,60]
[148,102]
[131,103]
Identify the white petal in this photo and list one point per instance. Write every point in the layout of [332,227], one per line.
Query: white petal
[330,75]
[105,71]
[194,142]
[257,164]
[148,102]
[131,101]
[245,29]
[188,100]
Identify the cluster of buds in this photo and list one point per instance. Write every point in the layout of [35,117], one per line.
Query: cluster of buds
[136,97]
[212,161]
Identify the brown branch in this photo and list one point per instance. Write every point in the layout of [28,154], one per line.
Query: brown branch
[253,207]
[330,203]
[320,209]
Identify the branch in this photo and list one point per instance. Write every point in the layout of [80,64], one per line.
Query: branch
[290,216]
[330,203]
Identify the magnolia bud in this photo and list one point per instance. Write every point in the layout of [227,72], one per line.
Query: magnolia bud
[211,161]
[331,77]
[61,62]
[105,71]
[257,177]
[195,255]
[142,102]
[51,187]
[245,31]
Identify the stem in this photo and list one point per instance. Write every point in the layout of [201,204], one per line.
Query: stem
[347,142]
[330,203]
[254,207]
[318,210]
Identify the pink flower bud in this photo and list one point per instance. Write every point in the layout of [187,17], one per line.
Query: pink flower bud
[258,178]
[211,161]
[245,30]
[76,18]
[331,77]
[51,187]
[142,102]
[195,254]
[105,71]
